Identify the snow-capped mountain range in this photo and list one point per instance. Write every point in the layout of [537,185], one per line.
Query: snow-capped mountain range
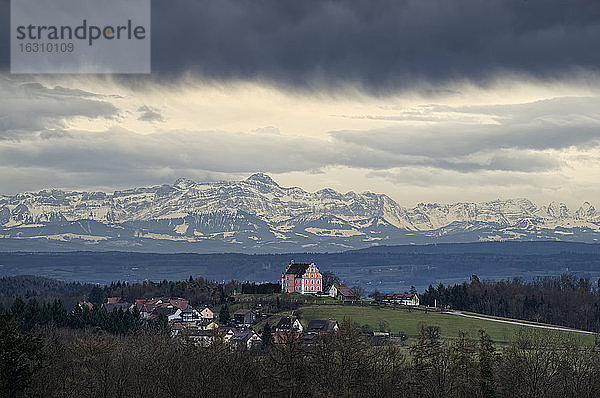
[257,215]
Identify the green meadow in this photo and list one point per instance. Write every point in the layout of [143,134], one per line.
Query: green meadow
[404,320]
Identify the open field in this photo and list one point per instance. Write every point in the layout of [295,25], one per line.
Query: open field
[537,325]
[407,321]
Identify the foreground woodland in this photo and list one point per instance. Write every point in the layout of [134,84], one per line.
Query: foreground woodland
[64,362]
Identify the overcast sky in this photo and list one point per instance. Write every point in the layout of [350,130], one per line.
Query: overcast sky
[423,100]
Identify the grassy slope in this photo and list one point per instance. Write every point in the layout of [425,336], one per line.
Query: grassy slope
[293,297]
[407,321]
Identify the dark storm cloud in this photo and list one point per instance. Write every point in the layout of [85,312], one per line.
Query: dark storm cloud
[37,142]
[4,35]
[381,44]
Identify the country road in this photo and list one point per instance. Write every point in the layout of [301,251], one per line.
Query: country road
[458,313]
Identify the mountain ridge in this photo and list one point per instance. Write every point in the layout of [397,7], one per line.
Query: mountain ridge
[258,215]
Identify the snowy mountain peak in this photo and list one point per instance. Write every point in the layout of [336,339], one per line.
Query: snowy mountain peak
[184,183]
[558,210]
[586,212]
[262,177]
[257,215]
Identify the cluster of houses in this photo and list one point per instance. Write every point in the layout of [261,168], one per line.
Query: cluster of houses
[179,313]
[291,326]
[247,338]
[305,278]
[202,327]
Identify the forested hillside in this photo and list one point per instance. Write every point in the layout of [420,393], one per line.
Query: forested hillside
[197,290]
[62,363]
[386,268]
[564,300]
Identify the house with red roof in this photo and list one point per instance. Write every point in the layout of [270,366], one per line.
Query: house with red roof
[301,278]
[340,291]
[244,318]
[115,303]
[171,305]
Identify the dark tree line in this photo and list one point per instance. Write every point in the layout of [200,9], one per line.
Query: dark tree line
[563,300]
[74,363]
[20,355]
[31,314]
[198,291]
[41,288]
[261,288]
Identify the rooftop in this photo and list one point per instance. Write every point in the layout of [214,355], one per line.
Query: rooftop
[284,323]
[320,325]
[297,269]
[344,290]
[397,296]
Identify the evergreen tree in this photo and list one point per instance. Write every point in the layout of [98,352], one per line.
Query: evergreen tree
[32,315]
[18,355]
[267,336]
[96,296]
[18,308]
[383,325]
[222,295]
[58,313]
[224,316]
[367,329]
[158,326]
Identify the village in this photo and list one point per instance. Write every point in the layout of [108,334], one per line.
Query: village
[204,325]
